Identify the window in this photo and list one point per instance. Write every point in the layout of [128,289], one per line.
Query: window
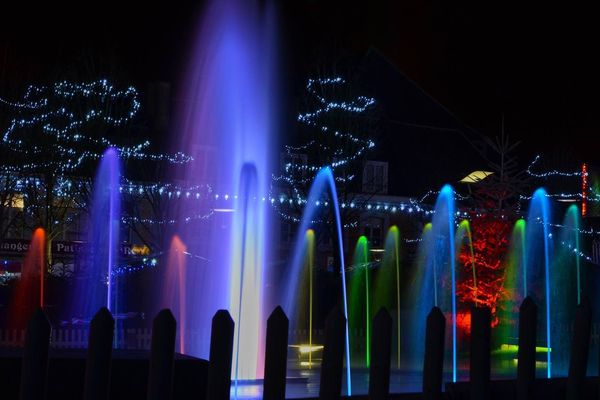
[373,230]
[375,177]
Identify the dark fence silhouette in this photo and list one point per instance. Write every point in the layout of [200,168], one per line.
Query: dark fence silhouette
[161,383]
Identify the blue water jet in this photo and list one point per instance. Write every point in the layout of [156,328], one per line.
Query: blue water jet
[443,224]
[94,282]
[246,288]
[228,114]
[324,182]
[537,226]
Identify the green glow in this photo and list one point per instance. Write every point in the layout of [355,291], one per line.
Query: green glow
[515,291]
[519,231]
[360,277]
[514,349]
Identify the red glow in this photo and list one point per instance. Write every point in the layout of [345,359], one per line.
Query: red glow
[490,245]
[29,290]
[463,321]
[176,294]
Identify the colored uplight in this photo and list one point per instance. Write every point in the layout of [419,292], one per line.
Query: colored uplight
[114,216]
[514,348]
[359,296]
[519,231]
[310,257]
[539,211]
[98,286]
[175,290]
[29,291]
[227,116]
[246,284]
[308,348]
[38,243]
[464,232]
[447,197]
[324,182]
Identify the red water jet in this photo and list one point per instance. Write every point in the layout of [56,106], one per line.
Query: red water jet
[175,294]
[28,292]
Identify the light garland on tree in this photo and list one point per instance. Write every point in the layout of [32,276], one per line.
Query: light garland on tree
[44,107]
[357,106]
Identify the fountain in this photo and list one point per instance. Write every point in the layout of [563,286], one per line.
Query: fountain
[537,239]
[359,300]
[94,283]
[246,288]
[310,268]
[324,183]
[444,260]
[566,286]
[515,285]
[570,238]
[29,290]
[174,287]
[463,233]
[226,122]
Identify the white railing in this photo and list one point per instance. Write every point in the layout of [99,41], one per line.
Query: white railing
[135,339]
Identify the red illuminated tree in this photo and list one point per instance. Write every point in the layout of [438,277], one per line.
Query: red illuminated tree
[495,210]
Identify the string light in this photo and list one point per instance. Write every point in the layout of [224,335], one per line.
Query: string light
[302,173]
[172,221]
[457,196]
[578,252]
[549,173]
[51,109]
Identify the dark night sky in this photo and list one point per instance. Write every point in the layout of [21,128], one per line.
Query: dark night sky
[536,65]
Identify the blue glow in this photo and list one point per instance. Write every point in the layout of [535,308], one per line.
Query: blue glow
[227,119]
[540,205]
[447,195]
[98,285]
[324,181]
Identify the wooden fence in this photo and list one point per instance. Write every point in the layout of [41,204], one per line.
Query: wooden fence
[100,336]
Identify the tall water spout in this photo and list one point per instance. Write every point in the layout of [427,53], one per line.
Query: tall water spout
[29,291]
[444,258]
[94,283]
[246,287]
[358,294]
[324,183]
[228,114]
[463,232]
[537,239]
[174,287]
